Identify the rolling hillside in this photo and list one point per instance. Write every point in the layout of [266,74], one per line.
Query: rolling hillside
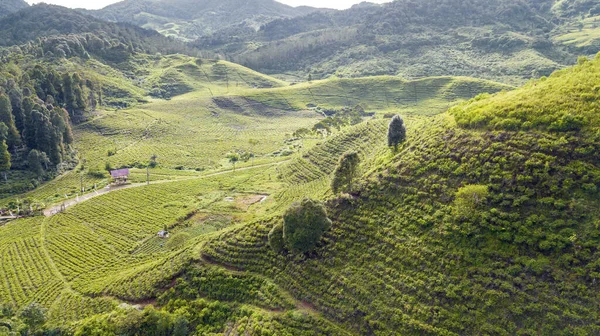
[11,6]
[506,41]
[484,221]
[519,260]
[188,19]
[412,241]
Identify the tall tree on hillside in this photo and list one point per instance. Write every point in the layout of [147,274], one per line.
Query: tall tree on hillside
[80,99]
[16,101]
[68,97]
[29,127]
[47,137]
[60,119]
[345,172]
[34,161]
[12,139]
[4,154]
[396,132]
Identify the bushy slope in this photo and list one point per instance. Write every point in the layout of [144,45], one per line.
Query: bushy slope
[565,101]
[189,19]
[406,255]
[506,40]
[60,25]
[11,6]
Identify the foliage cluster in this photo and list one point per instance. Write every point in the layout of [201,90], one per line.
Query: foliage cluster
[345,172]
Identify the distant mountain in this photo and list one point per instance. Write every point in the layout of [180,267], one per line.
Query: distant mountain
[68,32]
[11,6]
[189,19]
[507,40]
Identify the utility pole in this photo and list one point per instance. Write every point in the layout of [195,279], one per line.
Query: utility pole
[147,175]
[81,183]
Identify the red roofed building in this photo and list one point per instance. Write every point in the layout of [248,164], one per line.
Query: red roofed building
[119,176]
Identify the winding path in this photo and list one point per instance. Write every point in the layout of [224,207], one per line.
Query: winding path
[57,208]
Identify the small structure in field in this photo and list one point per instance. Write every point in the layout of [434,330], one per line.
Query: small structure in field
[163,234]
[119,176]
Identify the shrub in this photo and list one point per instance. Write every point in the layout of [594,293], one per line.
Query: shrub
[345,172]
[96,174]
[468,198]
[303,225]
[178,240]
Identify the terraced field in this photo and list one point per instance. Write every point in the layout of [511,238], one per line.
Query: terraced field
[74,262]
[105,251]
[427,96]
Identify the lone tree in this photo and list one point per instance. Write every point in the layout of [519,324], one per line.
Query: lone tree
[233,159]
[13,138]
[396,132]
[303,225]
[345,172]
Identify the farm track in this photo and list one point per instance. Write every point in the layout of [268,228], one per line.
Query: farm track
[57,208]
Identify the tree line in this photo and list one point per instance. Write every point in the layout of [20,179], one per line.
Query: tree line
[37,109]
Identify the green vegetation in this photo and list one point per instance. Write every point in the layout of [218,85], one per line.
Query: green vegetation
[507,41]
[428,96]
[185,20]
[396,132]
[468,198]
[485,222]
[11,6]
[565,101]
[303,225]
[345,172]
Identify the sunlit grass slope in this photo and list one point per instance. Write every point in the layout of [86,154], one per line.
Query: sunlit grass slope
[567,100]
[426,96]
[404,255]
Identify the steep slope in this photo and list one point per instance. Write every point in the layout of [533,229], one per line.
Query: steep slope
[189,19]
[463,231]
[11,6]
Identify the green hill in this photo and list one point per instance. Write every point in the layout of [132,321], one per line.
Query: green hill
[463,231]
[11,6]
[426,96]
[485,221]
[188,20]
[506,41]
[565,101]
[68,32]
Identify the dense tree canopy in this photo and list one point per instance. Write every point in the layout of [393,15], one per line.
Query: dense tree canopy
[345,172]
[396,132]
[303,225]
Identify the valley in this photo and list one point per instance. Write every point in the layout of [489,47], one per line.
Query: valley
[477,215]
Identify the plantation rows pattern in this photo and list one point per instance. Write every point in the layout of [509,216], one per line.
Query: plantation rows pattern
[320,161]
[377,94]
[391,262]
